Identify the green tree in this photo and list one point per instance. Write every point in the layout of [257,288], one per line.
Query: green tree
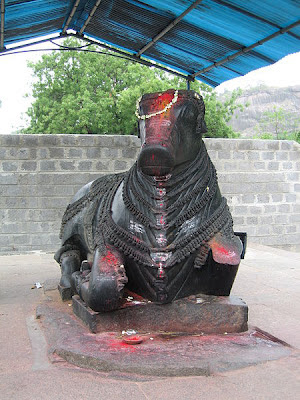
[279,124]
[86,92]
[219,113]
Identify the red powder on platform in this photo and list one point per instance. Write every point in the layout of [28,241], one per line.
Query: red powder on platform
[120,345]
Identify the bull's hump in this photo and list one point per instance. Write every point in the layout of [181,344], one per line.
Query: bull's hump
[82,192]
[118,208]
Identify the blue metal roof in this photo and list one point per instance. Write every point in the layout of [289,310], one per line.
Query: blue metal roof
[210,40]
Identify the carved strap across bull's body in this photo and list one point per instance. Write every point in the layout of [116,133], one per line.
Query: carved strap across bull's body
[198,181]
[215,220]
[82,213]
[100,187]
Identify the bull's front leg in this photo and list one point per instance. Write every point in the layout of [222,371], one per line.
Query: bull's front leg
[220,268]
[69,263]
[224,263]
[102,288]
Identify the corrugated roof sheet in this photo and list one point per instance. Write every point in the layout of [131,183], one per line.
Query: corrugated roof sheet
[208,34]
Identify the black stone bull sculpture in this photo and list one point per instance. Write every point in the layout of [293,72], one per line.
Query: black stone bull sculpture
[161,229]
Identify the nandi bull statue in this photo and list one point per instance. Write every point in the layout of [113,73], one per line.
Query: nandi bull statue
[161,229]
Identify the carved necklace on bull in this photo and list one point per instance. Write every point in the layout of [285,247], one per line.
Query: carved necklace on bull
[186,195]
[193,175]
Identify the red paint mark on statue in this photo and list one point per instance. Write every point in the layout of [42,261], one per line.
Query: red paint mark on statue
[224,251]
[108,261]
[161,221]
[110,258]
[161,102]
[159,127]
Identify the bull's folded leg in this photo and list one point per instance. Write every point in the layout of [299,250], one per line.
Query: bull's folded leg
[223,262]
[221,277]
[69,263]
[103,289]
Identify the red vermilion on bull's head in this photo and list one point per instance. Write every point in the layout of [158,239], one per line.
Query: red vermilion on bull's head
[170,126]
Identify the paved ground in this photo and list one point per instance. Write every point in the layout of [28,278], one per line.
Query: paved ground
[268,280]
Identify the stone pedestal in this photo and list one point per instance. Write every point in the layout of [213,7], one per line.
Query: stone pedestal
[163,350]
[191,315]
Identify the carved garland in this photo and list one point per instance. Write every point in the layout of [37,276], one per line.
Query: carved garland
[146,116]
[108,231]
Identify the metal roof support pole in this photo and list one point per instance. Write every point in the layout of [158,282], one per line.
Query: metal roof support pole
[188,84]
[2,25]
[90,16]
[246,49]
[71,16]
[167,28]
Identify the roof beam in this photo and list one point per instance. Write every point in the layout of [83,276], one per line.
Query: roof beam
[71,16]
[7,51]
[2,25]
[168,28]
[90,16]
[246,49]
[124,54]
[132,57]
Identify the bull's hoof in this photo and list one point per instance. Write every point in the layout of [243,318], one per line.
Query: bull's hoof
[65,281]
[104,294]
[101,294]
[65,287]
[66,293]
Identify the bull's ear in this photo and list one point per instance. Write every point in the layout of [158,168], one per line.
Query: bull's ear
[201,125]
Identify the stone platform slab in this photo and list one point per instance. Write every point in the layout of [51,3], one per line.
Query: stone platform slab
[194,315]
[158,354]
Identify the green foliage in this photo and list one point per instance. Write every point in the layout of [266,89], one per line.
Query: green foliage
[81,92]
[274,123]
[296,137]
[217,113]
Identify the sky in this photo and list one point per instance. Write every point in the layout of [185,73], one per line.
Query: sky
[16,80]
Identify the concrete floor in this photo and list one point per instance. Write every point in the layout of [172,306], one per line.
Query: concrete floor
[268,280]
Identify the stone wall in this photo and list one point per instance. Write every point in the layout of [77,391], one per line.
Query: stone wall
[39,174]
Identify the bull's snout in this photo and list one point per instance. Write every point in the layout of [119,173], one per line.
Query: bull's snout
[156,160]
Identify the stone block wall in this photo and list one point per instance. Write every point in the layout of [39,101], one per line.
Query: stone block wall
[39,174]
[261,180]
